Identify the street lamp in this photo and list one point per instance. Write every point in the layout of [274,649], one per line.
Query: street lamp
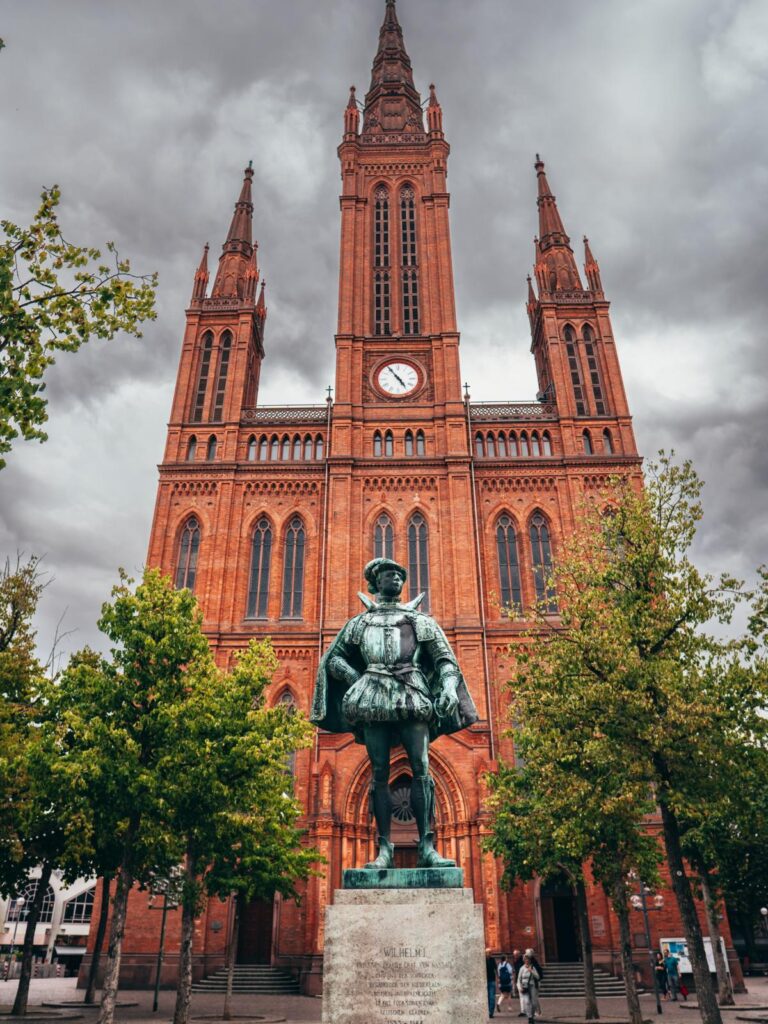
[19,910]
[639,903]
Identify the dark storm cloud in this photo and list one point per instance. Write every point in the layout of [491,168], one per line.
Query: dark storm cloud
[649,116]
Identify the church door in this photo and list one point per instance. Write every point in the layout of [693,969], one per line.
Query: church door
[254,943]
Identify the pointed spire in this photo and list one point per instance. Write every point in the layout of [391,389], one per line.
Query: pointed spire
[592,270]
[434,112]
[351,115]
[532,302]
[556,269]
[200,286]
[261,306]
[238,251]
[392,80]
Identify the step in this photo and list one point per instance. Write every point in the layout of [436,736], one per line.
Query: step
[251,978]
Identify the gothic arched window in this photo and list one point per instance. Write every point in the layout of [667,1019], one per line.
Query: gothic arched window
[490,445]
[575,370]
[225,346]
[513,444]
[274,449]
[189,546]
[546,442]
[509,563]
[202,378]
[410,278]
[192,449]
[296,448]
[263,448]
[381,227]
[293,570]
[308,447]
[210,452]
[607,442]
[594,370]
[318,447]
[389,444]
[418,558]
[261,557]
[502,445]
[286,448]
[479,446]
[421,448]
[524,444]
[377,448]
[541,560]
[586,439]
[381,322]
[535,446]
[383,537]
[252,448]
[408,443]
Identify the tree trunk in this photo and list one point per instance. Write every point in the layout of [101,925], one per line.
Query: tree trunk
[188,914]
[591,1011]
[232,956]
[123,886]
[101,930]
[619,900]
[28,949]
[724,990]
[705,992]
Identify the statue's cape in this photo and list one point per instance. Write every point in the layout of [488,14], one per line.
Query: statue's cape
[329,692]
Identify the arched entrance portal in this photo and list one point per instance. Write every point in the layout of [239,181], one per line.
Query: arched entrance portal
[559,922]
[405,835]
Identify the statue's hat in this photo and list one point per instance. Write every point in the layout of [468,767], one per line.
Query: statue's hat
[378,565]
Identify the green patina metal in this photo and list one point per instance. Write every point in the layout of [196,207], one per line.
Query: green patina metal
[403,878]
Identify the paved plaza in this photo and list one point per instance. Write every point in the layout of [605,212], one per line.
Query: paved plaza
[301,1008]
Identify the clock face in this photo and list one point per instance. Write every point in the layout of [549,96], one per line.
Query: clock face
[397,378]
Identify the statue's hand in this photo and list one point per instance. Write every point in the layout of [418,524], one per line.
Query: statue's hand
[447,702]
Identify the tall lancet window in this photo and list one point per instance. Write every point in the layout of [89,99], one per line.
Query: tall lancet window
[541,559]
[381,292]
[202,378]
[261,556]
[186,563]
[594,370]
[293,570]
[408,261]
[418,559]
[383,537]
[575,370]
[225,347]
[509,563]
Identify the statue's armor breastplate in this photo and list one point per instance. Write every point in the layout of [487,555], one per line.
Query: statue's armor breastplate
[388,639]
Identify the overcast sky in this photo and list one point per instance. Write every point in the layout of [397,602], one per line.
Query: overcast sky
[650,114]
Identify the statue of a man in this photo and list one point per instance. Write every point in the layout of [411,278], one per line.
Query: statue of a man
[391,677]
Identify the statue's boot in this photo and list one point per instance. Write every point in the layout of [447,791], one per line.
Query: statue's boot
[381,799]
[422,804]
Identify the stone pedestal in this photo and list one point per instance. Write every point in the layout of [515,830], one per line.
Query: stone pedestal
[404,956]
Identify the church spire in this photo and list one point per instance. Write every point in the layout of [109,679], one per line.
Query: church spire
[592,270]
[556,269]
[392,103]
[237,255]
[201,277]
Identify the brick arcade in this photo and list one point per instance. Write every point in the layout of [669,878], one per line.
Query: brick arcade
[270,512]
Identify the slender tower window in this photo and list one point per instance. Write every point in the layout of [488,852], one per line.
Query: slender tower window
[490,444]
[202,378]
[418,559]
[263,449]
[513,444]
[274,449]
[221,377]
[381,299]
[293,570]
[421,448]
[535,446]
[541,559]
[575,369]
[509,563]
[319,448]
[261,556]
[211,451]
[587,440]
[308,447]
[408,443]
[408,261]
[524,445]
[383,537]
[479,446]
[607,442]
[286,448]
[546,442]
[377,449]
[389,444]
[594,370]
[189,545]
[252,449]
[296,448]
[502,445]
[192,449]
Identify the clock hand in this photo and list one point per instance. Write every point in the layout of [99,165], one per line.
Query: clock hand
[400,379]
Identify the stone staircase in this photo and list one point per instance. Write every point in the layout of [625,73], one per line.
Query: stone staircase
[568,980]
[255,978]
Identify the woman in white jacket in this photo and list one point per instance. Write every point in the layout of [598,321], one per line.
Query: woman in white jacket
[528,987]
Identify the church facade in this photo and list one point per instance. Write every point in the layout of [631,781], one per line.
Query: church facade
[269,513]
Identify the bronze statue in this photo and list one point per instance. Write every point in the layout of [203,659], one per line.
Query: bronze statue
[391,677]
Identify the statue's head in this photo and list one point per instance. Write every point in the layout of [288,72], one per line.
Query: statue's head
[385,577]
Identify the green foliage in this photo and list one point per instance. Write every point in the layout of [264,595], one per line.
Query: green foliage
[54,297]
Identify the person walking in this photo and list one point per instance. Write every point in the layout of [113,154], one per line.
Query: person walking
[490,975]
[672,965]
[506,976]
[517,963]
[661,976]
[528,985]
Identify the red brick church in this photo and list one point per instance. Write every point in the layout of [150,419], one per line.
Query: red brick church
[269,513]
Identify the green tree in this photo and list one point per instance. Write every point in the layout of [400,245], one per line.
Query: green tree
[632,670]
[54,297]
[230,794]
